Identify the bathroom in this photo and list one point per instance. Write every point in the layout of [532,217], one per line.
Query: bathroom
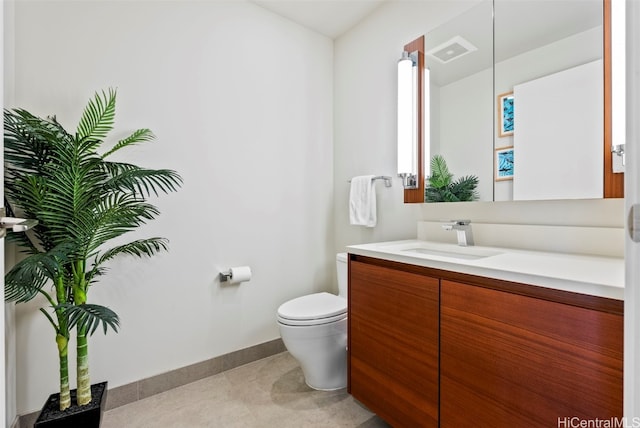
[266,120]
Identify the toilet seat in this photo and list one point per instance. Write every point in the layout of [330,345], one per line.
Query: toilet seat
[313,309]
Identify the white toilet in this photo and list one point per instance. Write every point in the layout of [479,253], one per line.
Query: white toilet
[314,330]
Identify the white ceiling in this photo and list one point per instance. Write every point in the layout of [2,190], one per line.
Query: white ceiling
[524,25]
[328,17]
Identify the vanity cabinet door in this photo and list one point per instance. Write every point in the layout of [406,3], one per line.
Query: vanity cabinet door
[512,360]
[393,343]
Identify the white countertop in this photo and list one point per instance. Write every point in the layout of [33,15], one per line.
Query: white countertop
[584,274]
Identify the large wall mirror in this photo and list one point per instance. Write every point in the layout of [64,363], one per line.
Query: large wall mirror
[518,99]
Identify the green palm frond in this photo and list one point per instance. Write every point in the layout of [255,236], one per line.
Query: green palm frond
[440,186]
[143,182]
[89,317]
[138,136]
[440,175]
[31,190]
[465,188]
[122,210]
[23,282]
[433,195]
[98,117]
[23,242]
[139,248]
[29,139]
[27,278]
[449,196]
[30,144]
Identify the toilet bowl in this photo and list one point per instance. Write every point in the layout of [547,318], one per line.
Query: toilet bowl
[314,331]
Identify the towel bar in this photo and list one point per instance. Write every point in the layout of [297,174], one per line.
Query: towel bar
[387,180]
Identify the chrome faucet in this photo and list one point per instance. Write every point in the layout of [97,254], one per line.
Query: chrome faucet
[463,230]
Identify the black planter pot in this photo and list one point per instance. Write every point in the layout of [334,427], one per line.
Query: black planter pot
[87,416]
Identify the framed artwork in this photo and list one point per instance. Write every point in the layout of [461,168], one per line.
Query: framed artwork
[504,164]
[505,114]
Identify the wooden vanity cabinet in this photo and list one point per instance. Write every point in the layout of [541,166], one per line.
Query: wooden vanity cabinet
[430,347]
[393,343]
[513,360]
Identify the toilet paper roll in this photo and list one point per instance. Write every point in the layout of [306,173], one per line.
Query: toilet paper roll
[240,274]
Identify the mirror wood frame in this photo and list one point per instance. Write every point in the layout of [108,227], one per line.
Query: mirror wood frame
[613,182]
[417,195]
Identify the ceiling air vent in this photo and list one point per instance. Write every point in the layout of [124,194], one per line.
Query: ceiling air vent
[453,49]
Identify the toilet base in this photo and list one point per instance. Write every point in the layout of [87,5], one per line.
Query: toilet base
[330,378]
[327,390]
[321,352]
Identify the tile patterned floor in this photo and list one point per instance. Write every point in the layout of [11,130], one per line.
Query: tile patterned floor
[263,394]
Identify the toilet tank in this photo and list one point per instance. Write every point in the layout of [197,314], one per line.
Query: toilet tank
[341,267]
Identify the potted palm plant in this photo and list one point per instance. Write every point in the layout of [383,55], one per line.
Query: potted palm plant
[82,201]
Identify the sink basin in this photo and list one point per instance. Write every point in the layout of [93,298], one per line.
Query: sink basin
[433,250]
[440,250]
[464,253]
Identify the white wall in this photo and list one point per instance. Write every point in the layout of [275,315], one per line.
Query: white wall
[467,144]
[241,102]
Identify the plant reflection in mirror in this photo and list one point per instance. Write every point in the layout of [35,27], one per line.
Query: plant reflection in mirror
[440,186]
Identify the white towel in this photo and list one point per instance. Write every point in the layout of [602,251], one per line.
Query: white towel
[362,201]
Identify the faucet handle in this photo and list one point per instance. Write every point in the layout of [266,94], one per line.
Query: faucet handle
[450,224]
[461,222]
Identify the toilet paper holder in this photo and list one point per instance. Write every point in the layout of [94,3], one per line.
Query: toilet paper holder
[225,276]
[236,275]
